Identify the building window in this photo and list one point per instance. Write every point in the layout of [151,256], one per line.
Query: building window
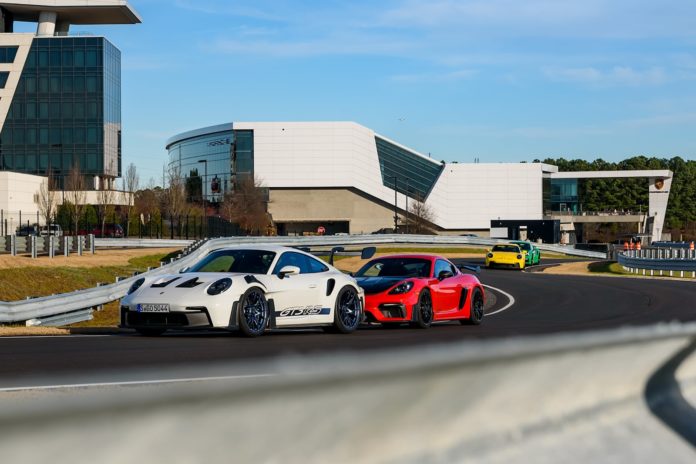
[410,173]
[8,54]
[4,75]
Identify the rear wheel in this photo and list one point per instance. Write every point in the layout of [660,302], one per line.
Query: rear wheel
[424,311]
[253,312]
[476,308]
[347,310]
[151,332]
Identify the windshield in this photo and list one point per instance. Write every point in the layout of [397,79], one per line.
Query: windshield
[396,267]
[507,248]
[525,246]
[244,261]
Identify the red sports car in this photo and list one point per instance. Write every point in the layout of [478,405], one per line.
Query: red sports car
[419,289]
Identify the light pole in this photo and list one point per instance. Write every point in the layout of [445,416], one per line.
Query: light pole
[203,189]
[396,212]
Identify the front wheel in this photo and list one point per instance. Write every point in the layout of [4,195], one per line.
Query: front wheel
[424,311]
[253,312]
[476,308]
[347,310]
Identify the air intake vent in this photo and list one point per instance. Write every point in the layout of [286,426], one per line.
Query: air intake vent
[165,283]
[189,283]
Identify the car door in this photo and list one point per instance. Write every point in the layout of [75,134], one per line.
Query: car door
[296,297]
[446,291]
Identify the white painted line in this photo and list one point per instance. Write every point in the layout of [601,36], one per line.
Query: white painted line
[511,300]
[132,383]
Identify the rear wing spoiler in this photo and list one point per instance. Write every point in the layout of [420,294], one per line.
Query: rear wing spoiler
[365,253]
[475,268]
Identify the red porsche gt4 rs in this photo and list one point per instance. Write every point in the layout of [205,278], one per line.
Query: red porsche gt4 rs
[419,289]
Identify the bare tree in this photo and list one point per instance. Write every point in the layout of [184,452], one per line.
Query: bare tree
[75,193]
[105,206]
[247,206]
[420,218]
[131,183]
[174,196]
[46,198]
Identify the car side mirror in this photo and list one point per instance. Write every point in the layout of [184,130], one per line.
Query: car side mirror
[368,252]
[288,271]
[444,275]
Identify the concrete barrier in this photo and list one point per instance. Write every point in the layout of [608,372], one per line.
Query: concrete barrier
[563,398]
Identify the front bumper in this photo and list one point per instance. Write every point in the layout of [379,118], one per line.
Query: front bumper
[383,307]
[194,318]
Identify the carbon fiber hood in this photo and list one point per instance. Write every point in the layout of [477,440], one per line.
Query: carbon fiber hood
[373,285]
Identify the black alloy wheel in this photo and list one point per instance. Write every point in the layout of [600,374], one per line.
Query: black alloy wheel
[253,312]
[424,310]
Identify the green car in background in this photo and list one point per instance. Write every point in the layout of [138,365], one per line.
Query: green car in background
[532,253]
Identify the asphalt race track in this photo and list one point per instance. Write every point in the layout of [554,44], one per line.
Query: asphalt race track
[542,304]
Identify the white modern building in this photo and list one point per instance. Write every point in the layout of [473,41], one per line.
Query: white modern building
[346,178]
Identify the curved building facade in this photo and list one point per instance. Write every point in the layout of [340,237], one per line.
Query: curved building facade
[347,179]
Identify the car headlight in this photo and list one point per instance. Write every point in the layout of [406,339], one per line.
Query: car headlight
[519,256]
[220,286]
[403,287]
[490,255]
[136,285]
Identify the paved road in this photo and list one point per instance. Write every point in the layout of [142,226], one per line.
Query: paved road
[542,304]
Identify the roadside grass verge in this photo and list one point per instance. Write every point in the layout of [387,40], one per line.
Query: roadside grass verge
[606,267]
[19,283]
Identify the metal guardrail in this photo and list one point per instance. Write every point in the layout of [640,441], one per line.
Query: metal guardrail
[589,397]
[660,261]
[348,240]
[64,304]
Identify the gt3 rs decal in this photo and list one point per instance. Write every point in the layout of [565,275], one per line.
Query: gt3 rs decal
[302,311]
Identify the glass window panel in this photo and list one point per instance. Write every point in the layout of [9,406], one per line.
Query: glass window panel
[79,110]
[31,162]
[67,162]
[11,54]
[31,59]
[91,84]
[92,161]
[55,84]
[3,78]
[55,57]
[67,58]
[31,136]
[3,55]
[30,84]
[18,136]
[79,135]
[18,110]
[43,136]
[7,137]
[79,57]
[43,84]
[31,110]
[43,58]
[55,136]
[67,136]
[67,83]
[19,162]
[79,84]
[91,110]
[67,110]
[91,58]
[43,161]
[43,110]
[92,135]
[55,110]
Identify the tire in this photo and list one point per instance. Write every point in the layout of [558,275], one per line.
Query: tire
[424,311]
[476,309]
[253,312]
[347,311]
[151,332]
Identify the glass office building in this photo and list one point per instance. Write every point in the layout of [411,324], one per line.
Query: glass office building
[211,161]
[66,110]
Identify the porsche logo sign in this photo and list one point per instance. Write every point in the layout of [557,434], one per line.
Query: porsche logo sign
[659,184]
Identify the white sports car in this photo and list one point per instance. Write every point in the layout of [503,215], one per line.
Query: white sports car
[249,288]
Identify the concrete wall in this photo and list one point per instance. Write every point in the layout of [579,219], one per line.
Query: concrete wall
[17,194]
[311,205]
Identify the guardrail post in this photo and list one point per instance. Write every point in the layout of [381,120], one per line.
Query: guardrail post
[32,243]
[91,243]
[13,244]
[66,245]
[80,244]
[51,246]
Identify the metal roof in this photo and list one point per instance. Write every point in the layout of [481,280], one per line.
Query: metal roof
[74,11]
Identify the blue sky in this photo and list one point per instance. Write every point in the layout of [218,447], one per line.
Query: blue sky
[499,80]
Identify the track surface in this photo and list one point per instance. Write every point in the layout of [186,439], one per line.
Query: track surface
[543,304]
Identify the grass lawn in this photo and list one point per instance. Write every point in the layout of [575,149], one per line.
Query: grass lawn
[18,283]
[607,267]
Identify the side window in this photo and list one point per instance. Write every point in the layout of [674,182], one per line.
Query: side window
[440,266]
[291,258]
[316,265]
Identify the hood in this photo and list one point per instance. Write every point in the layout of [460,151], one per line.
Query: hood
[188,280]
[373,285]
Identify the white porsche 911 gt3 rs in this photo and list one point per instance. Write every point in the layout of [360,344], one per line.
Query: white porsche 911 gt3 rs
[249,288]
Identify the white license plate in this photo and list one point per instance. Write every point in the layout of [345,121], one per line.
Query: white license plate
[153,308]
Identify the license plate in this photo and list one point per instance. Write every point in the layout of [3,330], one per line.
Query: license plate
[152,308]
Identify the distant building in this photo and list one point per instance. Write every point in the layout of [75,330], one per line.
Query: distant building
[346,178]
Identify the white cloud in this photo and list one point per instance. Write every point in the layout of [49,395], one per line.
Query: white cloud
[618,75]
